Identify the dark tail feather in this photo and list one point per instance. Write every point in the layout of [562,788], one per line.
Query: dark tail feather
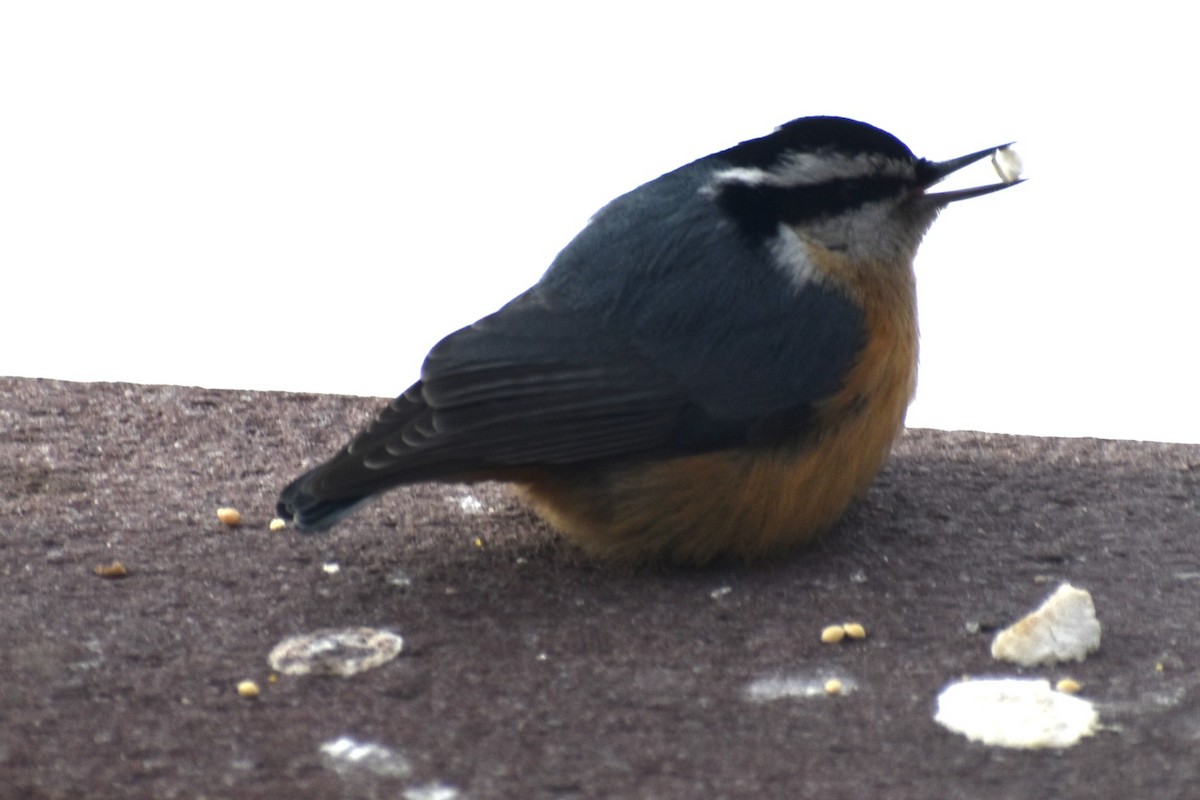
[302,505]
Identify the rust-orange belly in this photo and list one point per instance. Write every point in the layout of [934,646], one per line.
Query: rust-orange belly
[750,502]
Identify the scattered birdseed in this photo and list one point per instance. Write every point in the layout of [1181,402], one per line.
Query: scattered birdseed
[329,651]
[114,570]
[833,634]
[855,630]
[1064,628]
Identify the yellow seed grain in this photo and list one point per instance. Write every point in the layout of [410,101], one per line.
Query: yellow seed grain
[833,634]
[855,630]
[114,570]
[248,689]
[229,516]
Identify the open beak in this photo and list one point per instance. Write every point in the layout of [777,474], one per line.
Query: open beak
[936,171]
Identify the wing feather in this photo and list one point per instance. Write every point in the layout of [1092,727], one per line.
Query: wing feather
[638,342]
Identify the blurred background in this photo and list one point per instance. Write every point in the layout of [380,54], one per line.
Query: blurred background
[307,196]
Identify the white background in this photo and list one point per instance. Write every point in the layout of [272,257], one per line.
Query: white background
[306,196]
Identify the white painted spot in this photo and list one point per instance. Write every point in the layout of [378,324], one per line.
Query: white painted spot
[399,579]
[348,757]
[470,504]
[431,791]
[765,690]
[1015,712]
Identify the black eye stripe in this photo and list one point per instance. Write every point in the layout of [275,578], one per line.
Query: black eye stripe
[759,208]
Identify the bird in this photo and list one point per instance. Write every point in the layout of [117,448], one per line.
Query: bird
[715,367]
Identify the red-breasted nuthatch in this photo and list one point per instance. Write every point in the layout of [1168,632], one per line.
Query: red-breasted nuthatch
[717,364]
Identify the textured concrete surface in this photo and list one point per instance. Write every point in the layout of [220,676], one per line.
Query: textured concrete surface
[531,672]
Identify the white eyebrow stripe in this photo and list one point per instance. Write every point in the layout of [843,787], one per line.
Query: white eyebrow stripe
[748,176]
[807,169]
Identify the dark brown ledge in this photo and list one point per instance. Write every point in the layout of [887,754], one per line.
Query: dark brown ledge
[531,672]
